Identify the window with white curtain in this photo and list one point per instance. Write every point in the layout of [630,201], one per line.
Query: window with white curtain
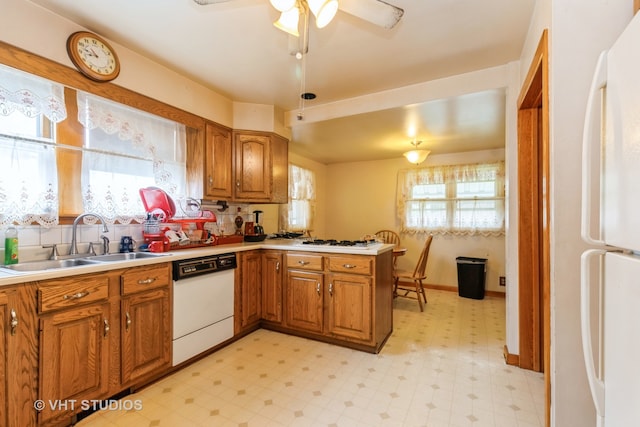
[298,214]
[29,108]
[124,150]
[454,199]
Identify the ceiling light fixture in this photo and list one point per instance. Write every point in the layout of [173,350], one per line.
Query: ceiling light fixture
[290,11]
[416,156]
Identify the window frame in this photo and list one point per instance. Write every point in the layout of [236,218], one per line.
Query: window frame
[411,209]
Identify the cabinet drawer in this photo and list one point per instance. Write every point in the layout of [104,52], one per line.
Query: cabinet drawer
[72,292]
[305,261]
[143,278]
[351,264]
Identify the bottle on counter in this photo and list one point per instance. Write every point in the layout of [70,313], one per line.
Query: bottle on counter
[11,246]
[239,221]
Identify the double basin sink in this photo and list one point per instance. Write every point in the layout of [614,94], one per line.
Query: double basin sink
[52,264]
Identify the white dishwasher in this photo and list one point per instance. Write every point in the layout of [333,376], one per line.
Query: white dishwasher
[203,290]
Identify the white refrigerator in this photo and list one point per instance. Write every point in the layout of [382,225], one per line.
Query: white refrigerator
[610,271]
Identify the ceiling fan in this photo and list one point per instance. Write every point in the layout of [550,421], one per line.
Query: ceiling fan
[377,12]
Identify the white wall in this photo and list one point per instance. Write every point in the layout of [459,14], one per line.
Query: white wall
[578,30]
[361,199]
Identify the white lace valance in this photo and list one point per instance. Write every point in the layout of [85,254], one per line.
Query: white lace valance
[30,95]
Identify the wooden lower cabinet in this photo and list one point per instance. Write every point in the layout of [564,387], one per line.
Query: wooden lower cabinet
[74,359]
[305,296]
[345,299]
[349,306]
[18,356]
[272,273]
[100,334]
[145,334]
[248,291]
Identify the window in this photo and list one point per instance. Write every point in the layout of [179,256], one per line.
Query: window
[457,199]
[298,214]
[29,108]
[124,150]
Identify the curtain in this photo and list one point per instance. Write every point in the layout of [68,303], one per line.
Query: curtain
[124,150]
[452,200]
[29,106]
[298,214]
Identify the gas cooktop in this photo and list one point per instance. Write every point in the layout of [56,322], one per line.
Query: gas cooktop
[364,244]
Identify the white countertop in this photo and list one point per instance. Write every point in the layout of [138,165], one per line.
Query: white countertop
[10,277]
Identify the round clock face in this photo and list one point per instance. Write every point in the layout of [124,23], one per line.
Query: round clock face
[93,56]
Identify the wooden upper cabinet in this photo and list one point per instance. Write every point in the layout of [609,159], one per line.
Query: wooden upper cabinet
[218,161]
[252,165]
[260,167]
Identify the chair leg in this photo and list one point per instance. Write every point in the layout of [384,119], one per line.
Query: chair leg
[418,285]
[424,294]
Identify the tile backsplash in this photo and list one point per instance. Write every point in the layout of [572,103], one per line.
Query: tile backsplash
[32,238]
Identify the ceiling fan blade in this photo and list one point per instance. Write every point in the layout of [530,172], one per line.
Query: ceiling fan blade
[206,2]
[377,12]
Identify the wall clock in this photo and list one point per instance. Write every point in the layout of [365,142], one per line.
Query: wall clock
[93,56]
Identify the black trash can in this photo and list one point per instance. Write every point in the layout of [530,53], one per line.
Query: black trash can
[471,277]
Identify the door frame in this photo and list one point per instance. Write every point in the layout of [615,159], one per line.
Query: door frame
[534,281]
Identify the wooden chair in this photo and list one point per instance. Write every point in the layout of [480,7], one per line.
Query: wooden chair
[413,280]
[389,236]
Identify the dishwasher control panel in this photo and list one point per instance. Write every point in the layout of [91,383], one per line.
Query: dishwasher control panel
[185,268]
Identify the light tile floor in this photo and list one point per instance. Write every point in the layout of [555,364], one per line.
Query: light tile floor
[440,368]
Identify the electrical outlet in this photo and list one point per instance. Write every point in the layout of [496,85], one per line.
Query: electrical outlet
[503,281]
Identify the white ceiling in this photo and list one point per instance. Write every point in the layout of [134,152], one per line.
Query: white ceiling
[233,48]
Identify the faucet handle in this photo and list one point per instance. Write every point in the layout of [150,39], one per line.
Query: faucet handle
[54,250]
[91,251]
[105,244]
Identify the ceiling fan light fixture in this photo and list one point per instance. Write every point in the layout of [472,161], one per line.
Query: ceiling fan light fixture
[282,5]
[323,10]
[288,21]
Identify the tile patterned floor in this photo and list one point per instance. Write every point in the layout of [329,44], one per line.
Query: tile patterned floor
[440,368]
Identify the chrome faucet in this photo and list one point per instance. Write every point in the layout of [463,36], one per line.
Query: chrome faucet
[74,244]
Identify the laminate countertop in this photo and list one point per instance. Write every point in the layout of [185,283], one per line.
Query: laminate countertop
[11,277]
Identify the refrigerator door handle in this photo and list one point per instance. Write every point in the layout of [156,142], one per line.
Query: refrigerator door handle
[595,384]
[590,143]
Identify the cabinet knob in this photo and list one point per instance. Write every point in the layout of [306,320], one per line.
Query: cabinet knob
[210,180]
[301,262]
[348,265]
[331,288]
[128,321]
[278,266]
[13,323]
[147,281]
[106,327]
[318,288]
[238,183]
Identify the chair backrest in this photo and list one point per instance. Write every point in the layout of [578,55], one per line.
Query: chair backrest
[421,266]
[389,236]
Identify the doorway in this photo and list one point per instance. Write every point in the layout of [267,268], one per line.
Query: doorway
[533,219]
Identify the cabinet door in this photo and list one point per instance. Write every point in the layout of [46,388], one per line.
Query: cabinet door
[145,334]
[272,269]
[250,288]
[5,332]
[304,300]
[252,167]
[18,356]
[349,306]
[218,162]
[74,358]
[279,169]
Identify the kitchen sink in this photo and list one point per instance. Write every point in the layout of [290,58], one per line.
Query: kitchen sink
[123,256]
[53,264]
[50,264]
